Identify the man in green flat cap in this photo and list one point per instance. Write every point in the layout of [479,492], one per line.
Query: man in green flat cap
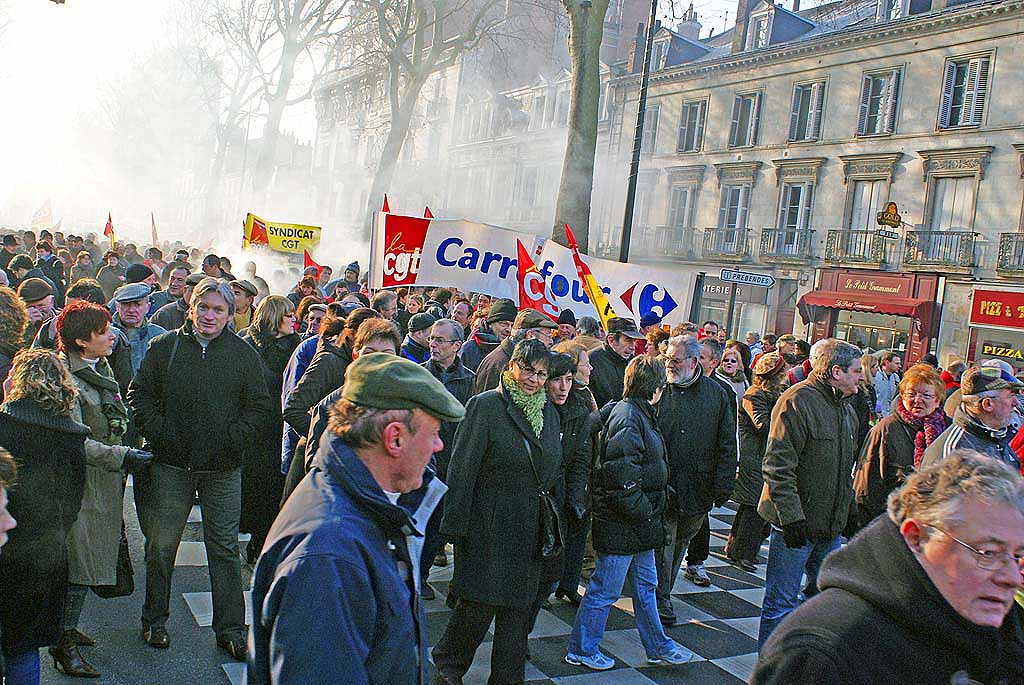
[336,593]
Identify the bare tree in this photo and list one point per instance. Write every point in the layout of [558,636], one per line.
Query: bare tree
[586,29]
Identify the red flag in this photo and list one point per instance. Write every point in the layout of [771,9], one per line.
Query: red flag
[258,235]
[533,290]
[307,262]
[385,208]
[108,230]
[427,214]
[590,285]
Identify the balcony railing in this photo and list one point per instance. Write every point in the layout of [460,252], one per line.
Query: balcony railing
[666,242]
[854,247]
[949,249]
[1011,254]
[786,245]
[727,244]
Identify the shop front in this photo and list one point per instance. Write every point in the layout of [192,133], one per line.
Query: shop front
[748,310]
[874,310]
[996,326]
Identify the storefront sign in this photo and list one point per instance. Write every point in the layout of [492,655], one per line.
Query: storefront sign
[890,217]
[888,286]
[1001,351]
[997,308]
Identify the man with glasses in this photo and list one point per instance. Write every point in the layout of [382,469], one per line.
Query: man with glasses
[698,421]
[446,366]
[529,324]
[988,398]
[923,595]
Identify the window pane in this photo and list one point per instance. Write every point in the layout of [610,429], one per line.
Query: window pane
[952,204]
[875,100]
[743,127]
[803,112]
[956,103]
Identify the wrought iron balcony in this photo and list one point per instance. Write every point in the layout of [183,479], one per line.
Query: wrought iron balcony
[1011,254]
[727,244]
[665,242]
[948,249]
[843,246]
[786,245]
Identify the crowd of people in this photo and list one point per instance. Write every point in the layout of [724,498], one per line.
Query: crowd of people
[362,438]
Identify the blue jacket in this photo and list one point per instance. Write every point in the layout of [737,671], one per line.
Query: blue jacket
[295,370]
[336,591]
[138,339]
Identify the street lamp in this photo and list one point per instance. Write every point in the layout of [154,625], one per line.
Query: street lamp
[634,165]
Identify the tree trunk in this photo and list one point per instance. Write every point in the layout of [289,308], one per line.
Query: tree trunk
[276,104]
[586,28]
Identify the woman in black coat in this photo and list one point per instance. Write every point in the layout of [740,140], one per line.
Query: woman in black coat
[749,530]
[507,451]
[629,487]
[49,448]
[272,333]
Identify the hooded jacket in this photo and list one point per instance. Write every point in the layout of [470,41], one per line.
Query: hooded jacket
[325,373]
[880,619]
[336,590]
[479,345]
[968,433]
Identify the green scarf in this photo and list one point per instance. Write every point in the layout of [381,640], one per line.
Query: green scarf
[102,379]
[532,406]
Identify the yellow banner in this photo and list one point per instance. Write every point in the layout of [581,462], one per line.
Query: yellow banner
[279,237]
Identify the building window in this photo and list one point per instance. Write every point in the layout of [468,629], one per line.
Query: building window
[658,55]
[953,203]
[745,113]
[562,106]
[891,10]
[879,97]
[805,119]
[794,212]
[760,32]
[732,212]
[964,91]
[681,205]
[650,135]
[691,126]
[867,199]
[537,115]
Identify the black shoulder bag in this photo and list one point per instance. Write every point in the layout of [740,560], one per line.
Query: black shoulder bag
[550,531]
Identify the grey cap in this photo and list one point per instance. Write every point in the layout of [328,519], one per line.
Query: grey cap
[132,292]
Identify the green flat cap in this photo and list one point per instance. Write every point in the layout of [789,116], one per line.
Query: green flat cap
[384,381]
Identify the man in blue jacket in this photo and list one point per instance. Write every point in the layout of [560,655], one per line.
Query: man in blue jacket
[336,591]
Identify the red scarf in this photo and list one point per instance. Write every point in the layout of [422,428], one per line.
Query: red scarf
[928,428]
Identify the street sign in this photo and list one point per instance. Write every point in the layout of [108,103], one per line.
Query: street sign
[747,278]
[890,217]
[889,235]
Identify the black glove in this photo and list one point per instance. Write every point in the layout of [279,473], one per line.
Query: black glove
[136,461]
[795,534]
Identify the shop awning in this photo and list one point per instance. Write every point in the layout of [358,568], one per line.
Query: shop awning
[862,302]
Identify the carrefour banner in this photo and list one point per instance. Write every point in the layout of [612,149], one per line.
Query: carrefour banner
[277,236]
[416,251]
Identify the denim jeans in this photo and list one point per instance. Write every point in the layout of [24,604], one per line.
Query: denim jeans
[680,529]
[786,567]
[22,669]
[604,590]
[163,497]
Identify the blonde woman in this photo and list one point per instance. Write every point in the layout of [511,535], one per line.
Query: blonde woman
[49,447]
[13,320]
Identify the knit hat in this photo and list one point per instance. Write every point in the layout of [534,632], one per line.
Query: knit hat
[34,289]
[567,317]
[502,310]
[137,273]
[649,319]
[353,267]
[421,321]
[768,364]
[384,381]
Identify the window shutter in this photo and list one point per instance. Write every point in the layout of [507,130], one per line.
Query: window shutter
[737,104]
[808,203]
[817,104]
[947,94]
[684,125]
[723,207]
[977,90]
[865,98]
[741,209]
[892,90]
[698,135]
[784,200]
[755,116]
[794,115]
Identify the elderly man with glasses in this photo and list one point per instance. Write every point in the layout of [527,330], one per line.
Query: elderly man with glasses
[922,595]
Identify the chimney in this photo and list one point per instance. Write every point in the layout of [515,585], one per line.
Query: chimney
[689,27]
[636,53]
[739,36]
[796,6]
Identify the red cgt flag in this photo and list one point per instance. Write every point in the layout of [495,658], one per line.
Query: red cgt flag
[533,290]
[307,262]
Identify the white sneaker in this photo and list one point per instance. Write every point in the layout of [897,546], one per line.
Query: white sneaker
[596,662]
[675,656]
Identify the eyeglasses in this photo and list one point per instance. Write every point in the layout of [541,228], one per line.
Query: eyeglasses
[987,560]
[911,395]
[433,339]
[539,374]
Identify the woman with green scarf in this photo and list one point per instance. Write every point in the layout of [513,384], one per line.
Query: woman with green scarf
[507,452]
[86,339]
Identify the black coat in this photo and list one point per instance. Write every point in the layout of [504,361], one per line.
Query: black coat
[630,480]
[880,619]
[886,461]
[54,271]
[50,452]
[577,448]
[326,372]
[488,372]
[458,380]
[606,379]
[262,479]
[202,409]
[698,423]
[491,510]
[755,418]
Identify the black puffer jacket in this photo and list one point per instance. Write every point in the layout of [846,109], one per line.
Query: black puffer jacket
[326,372]
[629,480]
[458,380]
[606,379]
[755,417]
[577,448]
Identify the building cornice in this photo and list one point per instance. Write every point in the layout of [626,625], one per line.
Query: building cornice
[742,172]
[870,165]
[872,34]
[686,175]
[970,160]
[797,169]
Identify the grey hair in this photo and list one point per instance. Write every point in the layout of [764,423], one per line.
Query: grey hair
[688,344]
[833,352]
[213,285]
[588,325]
[755,335]
[453,327]
[382,297]
[972,403]
[936,494]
